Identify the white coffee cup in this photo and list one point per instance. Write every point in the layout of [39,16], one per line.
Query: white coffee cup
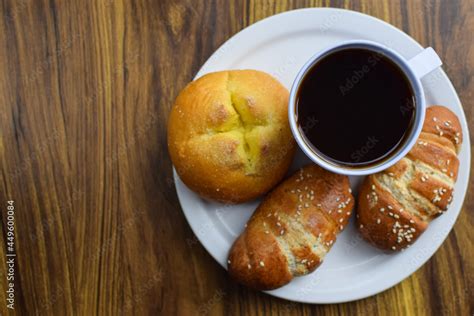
[414,69]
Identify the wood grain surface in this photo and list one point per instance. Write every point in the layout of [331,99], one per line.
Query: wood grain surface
[85,92]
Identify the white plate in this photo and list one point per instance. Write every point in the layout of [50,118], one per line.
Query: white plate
[280,45]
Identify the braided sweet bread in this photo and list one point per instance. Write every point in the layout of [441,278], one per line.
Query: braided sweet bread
[396,205]
[292,230]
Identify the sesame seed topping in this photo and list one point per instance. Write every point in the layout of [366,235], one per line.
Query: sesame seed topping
[306,205]
[373,187]
[262,264]
[228,261]
[341,227]
[278,224]
[341,220]
[435,120]
[382,209]
[249,266]
[390,207]
[394,248]
[282,232]
[412,221]
[350,190]
[339,211]
[378,220]
[361,226]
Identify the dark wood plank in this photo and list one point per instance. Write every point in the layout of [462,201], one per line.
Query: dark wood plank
[85,92]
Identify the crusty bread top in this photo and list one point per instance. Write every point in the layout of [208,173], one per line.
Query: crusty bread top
[229,136]
[396,205]
[443,123]
[292,230]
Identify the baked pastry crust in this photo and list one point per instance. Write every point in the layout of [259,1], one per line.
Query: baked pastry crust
[292,230]
[396,205]
[229,136]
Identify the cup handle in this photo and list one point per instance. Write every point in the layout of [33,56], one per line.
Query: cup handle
[425,62]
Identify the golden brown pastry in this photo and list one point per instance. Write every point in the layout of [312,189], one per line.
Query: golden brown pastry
[396,205]
[292,230]
[229,136]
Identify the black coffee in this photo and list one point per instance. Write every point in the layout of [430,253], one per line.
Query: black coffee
[355,107]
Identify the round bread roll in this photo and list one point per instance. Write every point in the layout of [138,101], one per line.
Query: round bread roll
[229,136]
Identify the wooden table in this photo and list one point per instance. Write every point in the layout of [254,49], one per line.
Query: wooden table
[85,91]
